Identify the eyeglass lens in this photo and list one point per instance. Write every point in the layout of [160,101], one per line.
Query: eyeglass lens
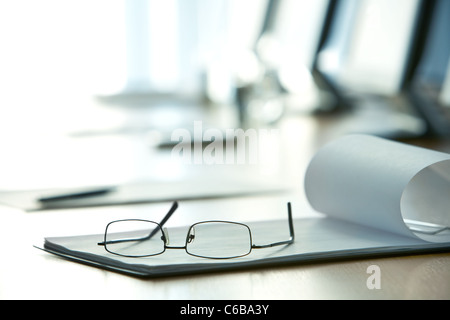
[219,240]
[134,238]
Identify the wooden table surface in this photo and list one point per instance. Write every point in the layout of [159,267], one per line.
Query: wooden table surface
[28,273]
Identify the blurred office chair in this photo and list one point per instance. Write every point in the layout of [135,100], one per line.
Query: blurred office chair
[429,89]
[366,55]
[286,50]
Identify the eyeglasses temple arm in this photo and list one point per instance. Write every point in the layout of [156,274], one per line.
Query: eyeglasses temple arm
[163,221]
[291,232]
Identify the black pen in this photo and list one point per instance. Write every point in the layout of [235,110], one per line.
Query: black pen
[76,195]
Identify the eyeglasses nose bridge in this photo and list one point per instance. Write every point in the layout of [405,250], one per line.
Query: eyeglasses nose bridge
[191,235]
[165,236]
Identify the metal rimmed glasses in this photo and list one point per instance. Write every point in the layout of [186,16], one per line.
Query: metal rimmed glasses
[216,239]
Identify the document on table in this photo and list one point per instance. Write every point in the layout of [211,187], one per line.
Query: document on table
[367,187]
[140,192]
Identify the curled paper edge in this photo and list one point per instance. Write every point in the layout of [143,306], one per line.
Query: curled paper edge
[362,179]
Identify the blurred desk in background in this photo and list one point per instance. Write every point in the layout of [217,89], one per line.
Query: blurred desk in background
[28,273]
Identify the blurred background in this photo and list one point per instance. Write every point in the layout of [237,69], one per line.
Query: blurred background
[90,91]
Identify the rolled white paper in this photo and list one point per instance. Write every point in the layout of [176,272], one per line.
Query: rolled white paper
[380,183]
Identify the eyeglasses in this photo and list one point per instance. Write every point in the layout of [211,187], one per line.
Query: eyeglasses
[136,238]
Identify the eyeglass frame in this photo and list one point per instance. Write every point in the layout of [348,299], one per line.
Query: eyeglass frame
[164,236]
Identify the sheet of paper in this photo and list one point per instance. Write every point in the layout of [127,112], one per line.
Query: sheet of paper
[148,192]
[379,183]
